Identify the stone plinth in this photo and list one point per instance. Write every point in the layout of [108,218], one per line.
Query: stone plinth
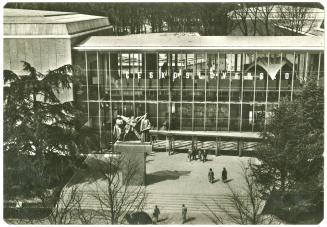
[133,155]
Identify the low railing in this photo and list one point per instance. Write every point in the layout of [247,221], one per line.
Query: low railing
[239,137]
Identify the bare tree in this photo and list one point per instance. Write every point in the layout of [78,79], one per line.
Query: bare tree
[117,193]
[297,19]
[264,17]
[253,14]
[246,204]
[246,18]
[239,18]
[63,207]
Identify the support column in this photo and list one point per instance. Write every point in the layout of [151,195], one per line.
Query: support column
[240,146]
[218,145]
[170,144]
[194,143]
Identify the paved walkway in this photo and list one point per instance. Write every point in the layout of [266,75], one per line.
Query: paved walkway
[172,181]
[177,175]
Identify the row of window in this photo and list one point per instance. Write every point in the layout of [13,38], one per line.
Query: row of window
[198,77]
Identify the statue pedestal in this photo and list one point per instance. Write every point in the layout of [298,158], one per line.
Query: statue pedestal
[133,155]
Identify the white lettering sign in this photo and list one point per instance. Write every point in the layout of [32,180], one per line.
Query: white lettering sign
[211,75]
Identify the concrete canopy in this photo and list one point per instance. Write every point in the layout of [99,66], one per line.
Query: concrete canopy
[22,22]
[181,41]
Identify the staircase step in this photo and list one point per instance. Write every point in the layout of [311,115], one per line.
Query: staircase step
[173,202]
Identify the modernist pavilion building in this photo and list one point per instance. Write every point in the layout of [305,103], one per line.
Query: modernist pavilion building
[192,82]
[196,85]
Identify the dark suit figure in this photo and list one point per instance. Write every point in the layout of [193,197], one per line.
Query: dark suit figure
[224,175]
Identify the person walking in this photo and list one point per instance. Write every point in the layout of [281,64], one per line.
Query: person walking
[211,176]
[156,213]
[145,129]
[224,175]
[184,212]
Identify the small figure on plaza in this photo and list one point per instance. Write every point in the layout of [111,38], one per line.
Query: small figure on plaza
[191,154]
[204,155]
[184,212]
[145,128]
[211,176]
[224,175]
[201,155]
[156,213]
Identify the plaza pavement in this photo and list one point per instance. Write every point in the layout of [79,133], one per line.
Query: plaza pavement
[175,174]
[172,181]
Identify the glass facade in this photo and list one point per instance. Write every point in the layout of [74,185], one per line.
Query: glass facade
[193,91]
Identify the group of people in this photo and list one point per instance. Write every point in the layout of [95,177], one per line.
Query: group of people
[125,128]
[156,213]
[211,176]
[192,153]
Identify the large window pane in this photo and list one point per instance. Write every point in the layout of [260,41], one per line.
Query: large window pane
[273,74]
[175,116]
[224,76]
[300,66]
[259,117]
[115,77]
[235,116]
[188,78]
[247,117]
[163,115]
[128,109]
[92,76]
[107,123]
[139,77]
[198,116]
[163,77]
[222,117]
[151,76]
[126,74]
[151,109]
[94,115]
[199,79]
[211,111]
[235,62]
[187,116]
[248,77]
[261,76]
[178,63]
[286,75]
[80,62]
[212,77]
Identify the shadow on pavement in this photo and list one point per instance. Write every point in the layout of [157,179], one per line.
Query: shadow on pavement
[162,219]
[189,219]
[227,181]
[165,175]
[215,180]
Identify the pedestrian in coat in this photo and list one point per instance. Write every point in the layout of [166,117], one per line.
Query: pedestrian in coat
[211,176]
[145,129]
[156,213]
[184,212]
[224,175]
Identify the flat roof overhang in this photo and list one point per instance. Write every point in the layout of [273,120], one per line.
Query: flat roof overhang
[178,42]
